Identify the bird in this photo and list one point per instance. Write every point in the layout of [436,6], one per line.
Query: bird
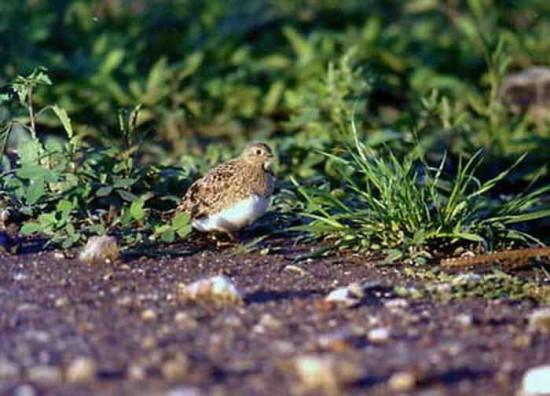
[232,195]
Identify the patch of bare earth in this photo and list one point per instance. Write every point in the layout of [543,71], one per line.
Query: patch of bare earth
[131,333]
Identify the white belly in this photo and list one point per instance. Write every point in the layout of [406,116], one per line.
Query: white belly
[240,215]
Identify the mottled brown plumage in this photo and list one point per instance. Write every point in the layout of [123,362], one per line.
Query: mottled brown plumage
[246,177]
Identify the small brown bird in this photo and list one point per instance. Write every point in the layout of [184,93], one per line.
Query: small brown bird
[232,195]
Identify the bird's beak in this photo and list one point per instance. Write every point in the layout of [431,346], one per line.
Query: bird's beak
[268,164]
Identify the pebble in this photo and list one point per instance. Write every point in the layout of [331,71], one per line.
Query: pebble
[402,382]
[100,249]
[137,372]
[380,335]
[536,381]
[185,391]
[81,370]
[325,374]
[45,374]
[469,278]
[340,340]
[465,320]
[61,302]
[9,371]
[24,390]
[266,323]
[294,268]
[148,343]
[539,320]
[176,369]
[186,321]
[217,290]
[348,296]
[396,304]
[148,315]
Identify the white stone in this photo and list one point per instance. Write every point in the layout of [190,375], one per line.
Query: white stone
[81,370]
[218,290]
[536,381]
[379,335]
[539,320]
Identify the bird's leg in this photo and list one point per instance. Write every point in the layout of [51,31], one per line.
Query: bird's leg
[232,239]
[232,236]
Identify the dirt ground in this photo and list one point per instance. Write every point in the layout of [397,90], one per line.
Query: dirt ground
[127,318]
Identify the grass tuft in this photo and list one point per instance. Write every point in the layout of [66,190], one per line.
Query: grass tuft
[402,203]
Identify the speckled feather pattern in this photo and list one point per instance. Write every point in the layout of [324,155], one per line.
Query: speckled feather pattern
[229,183]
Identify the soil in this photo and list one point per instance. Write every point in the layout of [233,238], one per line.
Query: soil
[128,318]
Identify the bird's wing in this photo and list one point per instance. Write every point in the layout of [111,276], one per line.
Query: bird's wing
[205,193]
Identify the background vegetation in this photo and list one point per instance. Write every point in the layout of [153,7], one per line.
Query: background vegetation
[386,115]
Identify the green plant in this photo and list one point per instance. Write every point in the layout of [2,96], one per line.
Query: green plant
[68,190]
[404,203]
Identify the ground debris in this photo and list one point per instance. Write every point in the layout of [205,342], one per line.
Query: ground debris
[81,370]
[217,290]
[327,374]
[536,382]
[353,294]
[100,249]
[539,320]
[403,381]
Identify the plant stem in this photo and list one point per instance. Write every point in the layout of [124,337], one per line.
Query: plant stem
[31,114]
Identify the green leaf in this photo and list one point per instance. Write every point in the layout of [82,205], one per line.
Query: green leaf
[35,191]
[181,219]
[184,231]
[123,183]
[157,75]
[137,211]
[30,151]
[191,64]
[104,191]
[127,196]
[113,60]
[168,236]
[47,219]
[64,206]
[31,228]
[32,172]
[65,120]
[5,129]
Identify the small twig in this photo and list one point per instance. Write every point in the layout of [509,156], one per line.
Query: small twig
[519,256]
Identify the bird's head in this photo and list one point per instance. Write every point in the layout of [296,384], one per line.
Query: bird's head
[258,153]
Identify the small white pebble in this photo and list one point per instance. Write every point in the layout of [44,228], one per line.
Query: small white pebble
[81,370]
[402,382]
[59,255]
[536,381]
[349,296]
[148,315]
[137,372]
[396,303]
[380,335]
[465,320]
[100,249]
[8,371]
[185,391]
[45,374]
[469,278]
[176,369]
[24,390]
[217,290]
[539,320]
[324,373]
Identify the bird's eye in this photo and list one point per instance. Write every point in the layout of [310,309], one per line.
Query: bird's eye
[258,152]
